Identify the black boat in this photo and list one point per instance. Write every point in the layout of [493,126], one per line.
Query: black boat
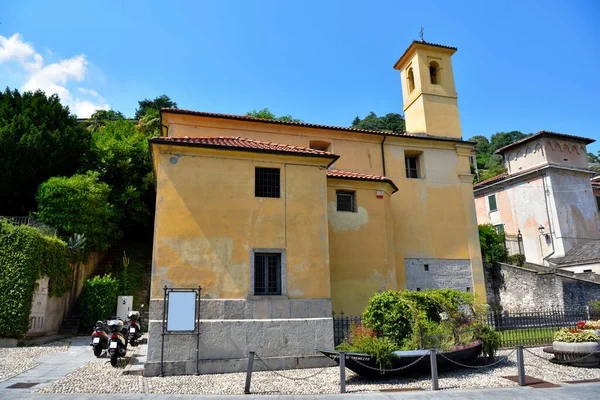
[366,366]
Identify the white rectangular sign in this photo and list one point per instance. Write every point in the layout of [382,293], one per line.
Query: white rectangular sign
[181,312]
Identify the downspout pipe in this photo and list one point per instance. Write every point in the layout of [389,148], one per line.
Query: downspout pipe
[548,216]
[383,154]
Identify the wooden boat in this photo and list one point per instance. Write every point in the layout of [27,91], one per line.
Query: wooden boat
[360,362]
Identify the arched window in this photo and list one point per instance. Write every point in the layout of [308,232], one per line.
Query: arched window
[434,73]
[410,77]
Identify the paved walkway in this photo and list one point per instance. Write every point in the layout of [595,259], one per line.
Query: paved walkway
[578,391]
[52,367]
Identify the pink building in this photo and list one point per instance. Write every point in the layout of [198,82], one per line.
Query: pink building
[546,195]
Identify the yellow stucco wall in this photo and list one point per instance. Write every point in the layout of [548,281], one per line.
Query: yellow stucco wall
[431,217]
[208,221]
[361,244]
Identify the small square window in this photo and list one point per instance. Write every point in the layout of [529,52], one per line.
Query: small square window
[267,273]
[426,267]
[267,182]
[412,167]
[492,202]
[418,289]
[468,289]
[346,201]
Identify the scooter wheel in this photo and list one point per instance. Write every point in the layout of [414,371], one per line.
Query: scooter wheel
[113,359]
[97,351]
[132,341]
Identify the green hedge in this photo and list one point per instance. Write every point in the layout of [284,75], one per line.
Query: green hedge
[98,300]
[25,255]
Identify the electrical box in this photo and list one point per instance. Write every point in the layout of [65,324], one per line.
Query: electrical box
[124,305]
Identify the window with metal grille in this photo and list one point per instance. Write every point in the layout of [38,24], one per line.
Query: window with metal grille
[412,167]
[492,201]
[267,273]
[346,201]
[598,203]
[266,182]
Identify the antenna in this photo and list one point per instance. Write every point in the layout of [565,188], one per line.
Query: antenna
[421,34]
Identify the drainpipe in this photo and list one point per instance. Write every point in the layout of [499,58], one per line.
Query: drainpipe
[548,216]
[383,153]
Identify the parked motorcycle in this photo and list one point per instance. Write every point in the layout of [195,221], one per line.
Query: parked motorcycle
[117,344]
[99,338]
[135,328]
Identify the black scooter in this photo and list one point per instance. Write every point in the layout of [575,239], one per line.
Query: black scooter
[117,343]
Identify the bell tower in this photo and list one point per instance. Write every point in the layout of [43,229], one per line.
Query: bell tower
[428,91]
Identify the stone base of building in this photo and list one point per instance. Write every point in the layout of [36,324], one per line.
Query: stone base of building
[235,365]
[225,342]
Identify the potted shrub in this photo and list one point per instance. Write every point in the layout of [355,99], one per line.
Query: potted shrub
[574,343]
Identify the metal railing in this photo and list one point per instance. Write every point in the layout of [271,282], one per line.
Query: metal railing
[29,221]
[517,328]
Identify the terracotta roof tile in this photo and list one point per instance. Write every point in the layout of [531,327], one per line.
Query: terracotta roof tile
[309,125]
[546,133]
[234,142]
[493,179]
[415,42]
[339,174]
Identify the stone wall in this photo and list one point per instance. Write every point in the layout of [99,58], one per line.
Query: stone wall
[511,287]
[423,273]
[284,332]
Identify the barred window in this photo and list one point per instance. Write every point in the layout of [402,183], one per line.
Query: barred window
[267,273]
[266,182]
[346,201]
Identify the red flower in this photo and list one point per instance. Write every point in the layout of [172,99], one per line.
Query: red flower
[581,324]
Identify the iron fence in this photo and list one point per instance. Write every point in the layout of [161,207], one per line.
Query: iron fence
[517,328]
[45,229]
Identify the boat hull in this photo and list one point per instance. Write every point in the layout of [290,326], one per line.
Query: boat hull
[359,363]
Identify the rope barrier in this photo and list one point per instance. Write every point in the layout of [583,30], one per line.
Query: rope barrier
[331,364]
[504,358]
[563,361]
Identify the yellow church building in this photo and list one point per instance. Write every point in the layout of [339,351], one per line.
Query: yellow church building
[282,222]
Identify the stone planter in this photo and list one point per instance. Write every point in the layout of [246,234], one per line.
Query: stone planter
[564,351]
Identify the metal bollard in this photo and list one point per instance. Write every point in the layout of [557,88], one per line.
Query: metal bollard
[520,366]
[434,370]
[249,372]
[342,372]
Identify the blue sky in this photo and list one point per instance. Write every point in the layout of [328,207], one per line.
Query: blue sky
[520,65]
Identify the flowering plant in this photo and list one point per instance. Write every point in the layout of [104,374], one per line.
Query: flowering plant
[595,324]
[576,335]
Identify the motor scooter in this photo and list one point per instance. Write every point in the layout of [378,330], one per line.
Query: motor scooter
[99,338]
[117,343]
[135,328]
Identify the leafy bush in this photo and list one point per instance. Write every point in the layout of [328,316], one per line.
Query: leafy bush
[364,340]
[490,340]
[412,320]
[25,255]
[576,335]
[516,259]
[492,244]
[78,204]
[98,299]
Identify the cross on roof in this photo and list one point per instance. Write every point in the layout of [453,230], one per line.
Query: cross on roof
[421,34]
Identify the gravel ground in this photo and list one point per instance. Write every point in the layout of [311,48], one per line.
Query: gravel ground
[327,381]
[16,360]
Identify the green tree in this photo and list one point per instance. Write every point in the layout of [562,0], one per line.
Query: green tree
[502,139]
[490,164]
[391,122]
[120,155]
[265,113]
[593,158]
[162,101]
[102,117]
[39,139]
[78,204]
[148,123]
[492,244]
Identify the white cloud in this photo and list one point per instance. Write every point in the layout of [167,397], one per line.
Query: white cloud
[52,78]
[13,48]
